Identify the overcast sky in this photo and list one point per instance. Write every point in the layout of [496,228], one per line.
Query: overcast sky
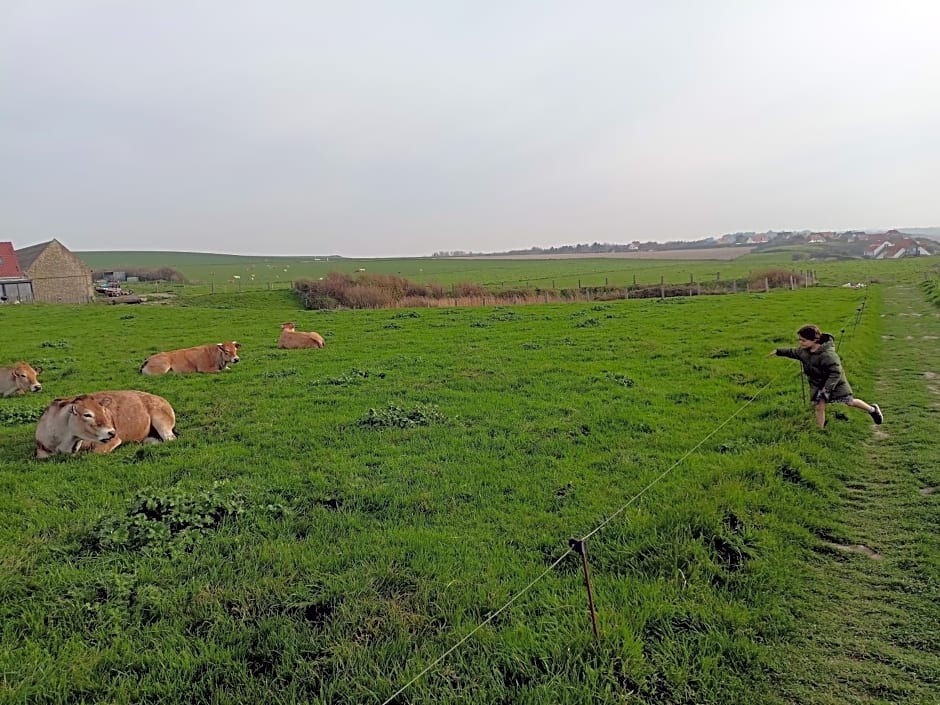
[405,127]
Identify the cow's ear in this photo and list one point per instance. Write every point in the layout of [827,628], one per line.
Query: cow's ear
[38,370]
[73,410]
[104,401]
[237,344]
[220,346]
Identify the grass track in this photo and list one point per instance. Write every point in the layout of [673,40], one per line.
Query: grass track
[873,635]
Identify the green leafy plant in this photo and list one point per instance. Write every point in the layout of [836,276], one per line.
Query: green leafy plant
[394,416]
[155,519]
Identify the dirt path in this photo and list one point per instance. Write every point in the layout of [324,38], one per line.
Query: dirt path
[877,639]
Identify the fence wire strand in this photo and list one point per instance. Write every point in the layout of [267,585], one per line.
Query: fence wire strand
[857,313]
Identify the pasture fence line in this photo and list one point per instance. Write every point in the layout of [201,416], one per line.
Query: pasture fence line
[386,291]
[579,545]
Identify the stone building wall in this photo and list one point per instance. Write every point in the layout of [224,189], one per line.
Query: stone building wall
[59,277]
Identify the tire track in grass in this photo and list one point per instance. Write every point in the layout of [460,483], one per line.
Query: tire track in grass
[875,635]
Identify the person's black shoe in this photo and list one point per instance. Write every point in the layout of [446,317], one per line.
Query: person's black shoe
[876,414]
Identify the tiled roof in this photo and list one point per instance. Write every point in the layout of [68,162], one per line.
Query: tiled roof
[9,263]
[28,255]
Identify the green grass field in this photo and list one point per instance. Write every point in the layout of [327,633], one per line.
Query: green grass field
[331,522]
[217,273]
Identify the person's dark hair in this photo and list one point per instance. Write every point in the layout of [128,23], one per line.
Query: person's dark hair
[809,332]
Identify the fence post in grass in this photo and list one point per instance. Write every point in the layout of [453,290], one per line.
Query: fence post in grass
[662,287]
[766,284]
[577,545]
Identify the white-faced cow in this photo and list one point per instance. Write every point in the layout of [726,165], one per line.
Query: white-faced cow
[102,421]
[292,339]
[203,358]
[19,379]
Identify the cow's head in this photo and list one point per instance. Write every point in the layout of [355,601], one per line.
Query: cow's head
[289,327]
[26,378]
[90,419]
[229,352]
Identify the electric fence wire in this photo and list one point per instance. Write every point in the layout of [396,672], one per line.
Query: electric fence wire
[596,529]
[560,558]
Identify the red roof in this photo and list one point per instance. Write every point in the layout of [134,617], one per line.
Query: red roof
[9,264]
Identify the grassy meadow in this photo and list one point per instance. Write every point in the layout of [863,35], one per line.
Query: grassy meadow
[331,522]
[215,273]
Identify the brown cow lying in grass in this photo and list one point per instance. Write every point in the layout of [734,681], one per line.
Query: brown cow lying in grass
[19,379]
[101,421]
[293,339]
[203,358]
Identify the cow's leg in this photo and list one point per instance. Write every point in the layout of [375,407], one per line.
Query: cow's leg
[156,365]
[106,447]
[163,425]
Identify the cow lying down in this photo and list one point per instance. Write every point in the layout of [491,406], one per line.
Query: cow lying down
[202,358]
[293,339]
[101,421]
[19,379]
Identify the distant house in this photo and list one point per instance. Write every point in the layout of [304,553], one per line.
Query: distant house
[758,240]
[816,238]
[895,248]
[57,275]
[15,286]
[906,247]
[876,247]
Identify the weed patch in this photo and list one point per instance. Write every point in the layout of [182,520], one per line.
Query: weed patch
[278,374]
[620,379]
[352,377]
[397,417]
[19,415]
[159,520]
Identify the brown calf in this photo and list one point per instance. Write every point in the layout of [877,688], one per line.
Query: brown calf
[19,379]
[293,339]
[101,421]
[203,358]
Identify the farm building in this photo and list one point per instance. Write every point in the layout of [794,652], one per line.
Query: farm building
[15,286]
[57,275]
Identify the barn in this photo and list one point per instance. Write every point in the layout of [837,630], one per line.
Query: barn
[57,275]
[15,286]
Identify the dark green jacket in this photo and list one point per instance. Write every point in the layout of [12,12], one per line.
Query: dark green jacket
[823,368]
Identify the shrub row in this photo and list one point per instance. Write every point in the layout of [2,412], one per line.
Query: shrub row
[341,290]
